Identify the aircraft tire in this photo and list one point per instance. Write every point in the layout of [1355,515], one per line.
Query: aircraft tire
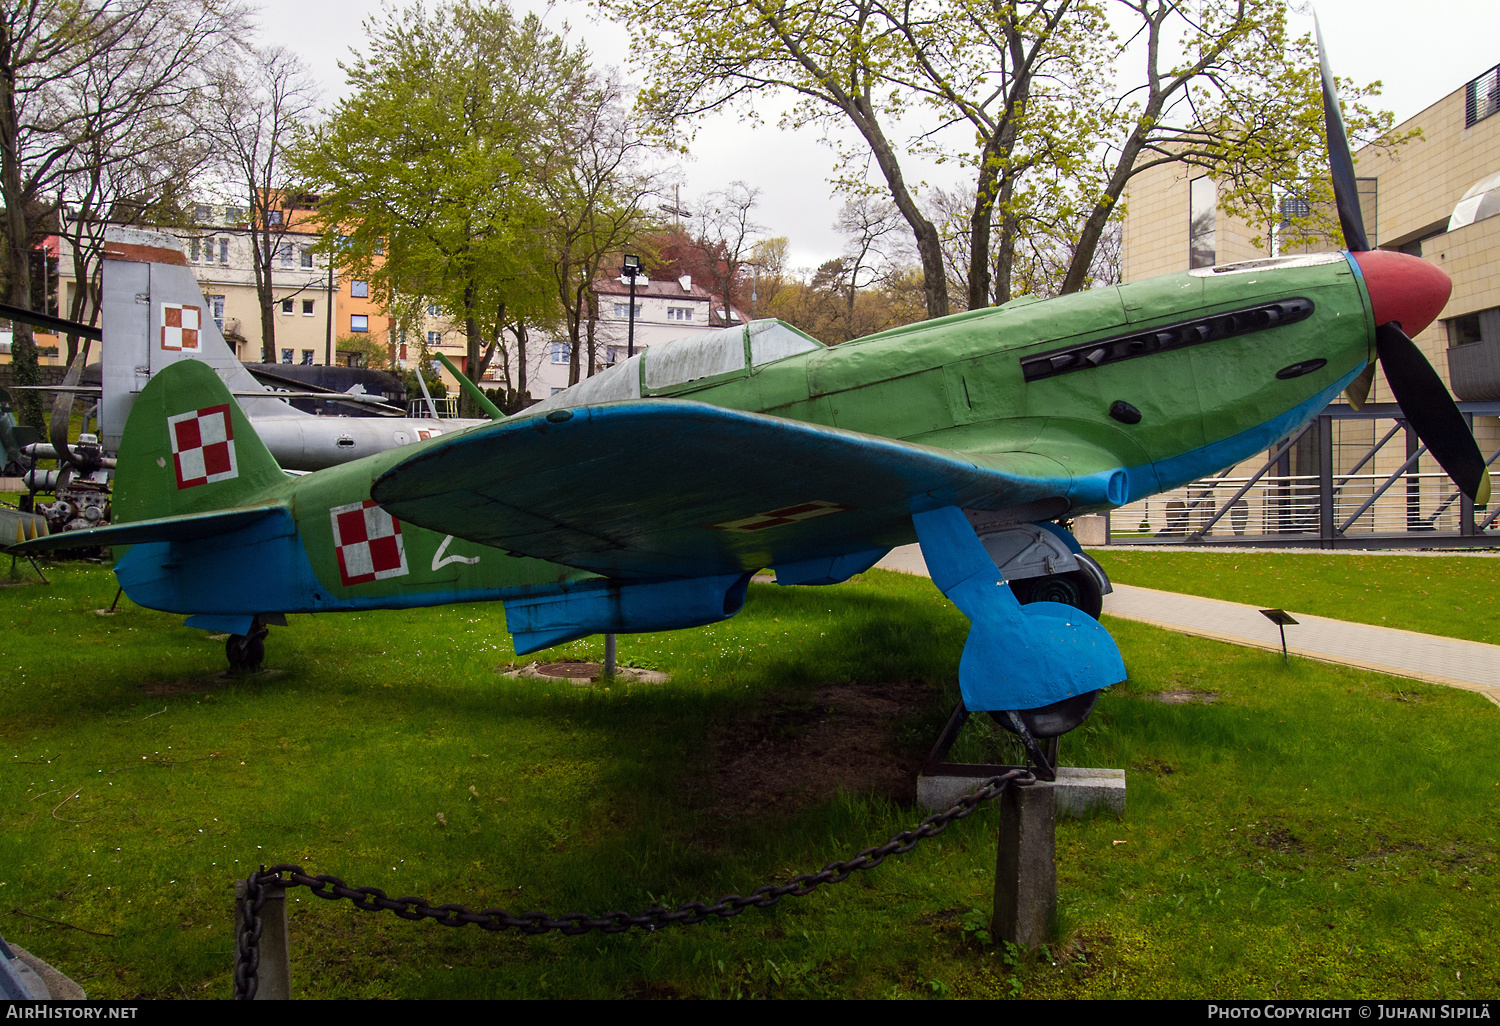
[245,652]
[1056,719]
[1076,588]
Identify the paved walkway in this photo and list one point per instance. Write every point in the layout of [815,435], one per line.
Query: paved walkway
[1461,664]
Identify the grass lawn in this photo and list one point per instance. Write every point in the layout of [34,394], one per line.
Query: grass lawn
[1452,596]
[1313,832]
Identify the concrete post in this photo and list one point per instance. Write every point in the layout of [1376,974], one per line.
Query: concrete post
[1025,867]
[275,954]
[608,672]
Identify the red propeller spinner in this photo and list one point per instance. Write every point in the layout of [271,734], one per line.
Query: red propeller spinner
[1404,288]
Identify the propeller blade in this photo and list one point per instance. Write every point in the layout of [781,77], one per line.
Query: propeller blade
[1432,412]
[1340,160]
[1358,390]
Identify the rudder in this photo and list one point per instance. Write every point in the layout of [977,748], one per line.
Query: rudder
[188,447]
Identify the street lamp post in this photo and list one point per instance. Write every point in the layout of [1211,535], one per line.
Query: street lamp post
[631,268]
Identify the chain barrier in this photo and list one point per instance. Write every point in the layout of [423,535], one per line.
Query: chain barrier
[572,924]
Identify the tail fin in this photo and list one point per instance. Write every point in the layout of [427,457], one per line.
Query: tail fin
[188,447]
[155,315]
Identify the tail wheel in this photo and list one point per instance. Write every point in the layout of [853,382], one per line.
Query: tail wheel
[1076,588]
[246,652]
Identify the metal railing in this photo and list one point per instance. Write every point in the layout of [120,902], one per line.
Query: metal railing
[1291,505]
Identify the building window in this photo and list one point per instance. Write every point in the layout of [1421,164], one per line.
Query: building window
[559,352]
[284,251]
[273,217]
[379,247]
[202,213]
[432,310]
[234,215]
[434,338]
[622,310]
[286,306]
[359,289]
[193,249]
[307,357]
[359,322]
[1482,97]
[306,257]
[555,390]
[679,313]
[286,356]
[1203,202]
[223,251]
[217,303]
[1293,208]
[1470,328]
[307,308]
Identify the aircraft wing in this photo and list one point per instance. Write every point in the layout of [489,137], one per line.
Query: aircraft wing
[672,488]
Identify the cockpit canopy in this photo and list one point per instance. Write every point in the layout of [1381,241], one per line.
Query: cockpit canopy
[669,367]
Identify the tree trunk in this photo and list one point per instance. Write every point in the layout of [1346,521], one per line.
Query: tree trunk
[980,221]
[1093,228]
[260,261]
[929,246]
[1005,250]
[472,345]
[17,245]
[520,360]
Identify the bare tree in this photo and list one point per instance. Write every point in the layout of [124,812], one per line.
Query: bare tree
[138,151]
[727,236]
[46,49]
[596,192]
[876,232]
[255,112]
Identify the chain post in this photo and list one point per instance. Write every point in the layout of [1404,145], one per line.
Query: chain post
[252,919]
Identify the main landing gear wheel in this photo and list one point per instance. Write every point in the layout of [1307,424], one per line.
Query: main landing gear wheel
[1053,720]
[1076,588]
[247,651]
[1040,728]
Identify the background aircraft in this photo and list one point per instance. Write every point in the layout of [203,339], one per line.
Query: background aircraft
[153,315]
[644,498]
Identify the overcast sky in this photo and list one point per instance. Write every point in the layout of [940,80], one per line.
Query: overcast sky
[1420,51]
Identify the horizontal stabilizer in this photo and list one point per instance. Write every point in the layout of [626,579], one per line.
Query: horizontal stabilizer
[187,527]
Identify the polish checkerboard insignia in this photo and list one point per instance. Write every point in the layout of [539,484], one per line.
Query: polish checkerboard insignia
[368,542]
[179,327]
[203,446]
[779,517]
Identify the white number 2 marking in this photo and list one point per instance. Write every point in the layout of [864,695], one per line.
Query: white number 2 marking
[438,560]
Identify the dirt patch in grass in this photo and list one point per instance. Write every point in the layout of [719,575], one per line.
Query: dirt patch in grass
[1184,697]
[1156,766]
[1278,839]
[794,753]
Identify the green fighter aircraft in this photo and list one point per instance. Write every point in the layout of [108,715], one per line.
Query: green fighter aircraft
[644,498]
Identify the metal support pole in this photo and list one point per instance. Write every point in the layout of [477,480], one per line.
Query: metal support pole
[1465,504]
[1381,490]
[630,331]
[1325,480]
[275,973]
[609,656]
[1276,456]
[1026,867]
[1414,450]
[328,320]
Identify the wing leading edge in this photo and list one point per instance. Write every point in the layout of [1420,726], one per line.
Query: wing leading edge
[673,488]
